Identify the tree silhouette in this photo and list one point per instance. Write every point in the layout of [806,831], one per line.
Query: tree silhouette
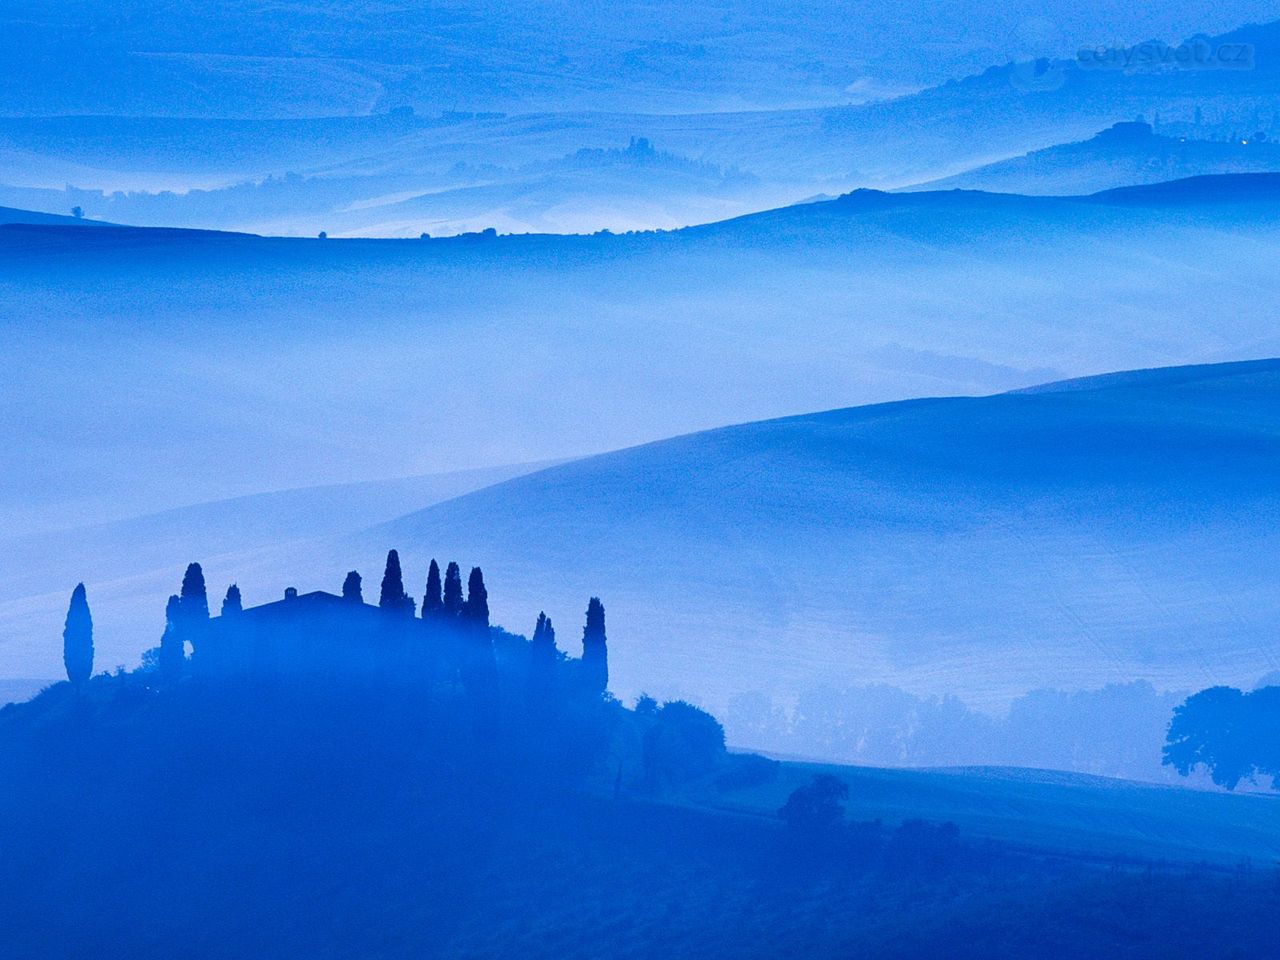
[683,743]
[351,589]
[77,638]
[432,603]
[452,590]
[195,599]
[172,645]
[595,654]
[817,807]
[231,603]
[476,609]
[1230,733]
[393,599]
[542,660]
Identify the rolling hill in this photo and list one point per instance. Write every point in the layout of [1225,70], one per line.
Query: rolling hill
[1123,155]
[465,163]
[199,367]
[242,59]
[1067,536]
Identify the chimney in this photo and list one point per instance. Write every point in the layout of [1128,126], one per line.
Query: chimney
[291,593]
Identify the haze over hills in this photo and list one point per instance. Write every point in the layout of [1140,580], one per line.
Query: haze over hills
[650,479]
[867,298]
[1125,154]
[239,340]
[240,59]
[978,547]
[1102,531]
[464,166]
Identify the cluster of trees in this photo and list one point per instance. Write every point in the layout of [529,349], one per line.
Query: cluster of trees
[1232,734]
[444,605]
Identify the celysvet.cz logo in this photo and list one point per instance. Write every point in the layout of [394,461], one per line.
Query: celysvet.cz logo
[1199,54]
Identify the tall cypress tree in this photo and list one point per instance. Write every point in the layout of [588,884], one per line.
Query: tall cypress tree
[392,598]
[351,588]
[595,652]
[77,638]
[195,599]
[173,652]
[477,606]
[231,603]
[479,667]
[542,659]
[432,603]
[452,590]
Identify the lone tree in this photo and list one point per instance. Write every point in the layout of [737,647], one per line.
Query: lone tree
[432,602]
[452,590]
[173,654]
[77,638]
[818,806]
[595,652]
[1230,733]
[231,603]
[351,589]
[393,599]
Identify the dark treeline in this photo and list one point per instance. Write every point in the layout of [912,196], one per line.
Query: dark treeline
[441,663]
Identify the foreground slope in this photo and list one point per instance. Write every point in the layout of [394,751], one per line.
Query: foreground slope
[1095,531]
[301,819]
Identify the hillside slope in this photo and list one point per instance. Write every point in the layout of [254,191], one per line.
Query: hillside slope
[1123,155]
[299,363]
[1110,530]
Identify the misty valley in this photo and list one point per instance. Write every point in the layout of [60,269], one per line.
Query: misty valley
[564,481]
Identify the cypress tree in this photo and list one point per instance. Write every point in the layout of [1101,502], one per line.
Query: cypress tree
[77,638]
[172,645]
[393,598]
[595,653]
[542,658]
[195,599]
[431,600]
[351,589]
[452,603]
[479,667]
[231,603]
[477,606]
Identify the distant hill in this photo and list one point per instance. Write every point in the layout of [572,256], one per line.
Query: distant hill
[240,59]
[10,216]
[265,152]
[1101,531]
[1126,154]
